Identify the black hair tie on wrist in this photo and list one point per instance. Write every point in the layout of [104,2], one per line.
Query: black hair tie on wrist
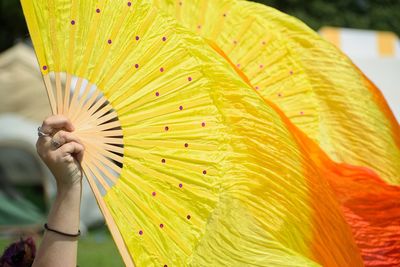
[61,233]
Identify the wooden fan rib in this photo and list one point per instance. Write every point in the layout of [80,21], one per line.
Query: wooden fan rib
[102,127]
[113,156]
[50,93]
[107,162]
[85,117]
[105,110]
[92,99]
[95,167]
[108,154]
[111,141]
[67,92]
[60,104]
[106,118]
[112,133]
[115,149]
[88,118]
[100,147]
[75,94]
[119,241]
[81,100]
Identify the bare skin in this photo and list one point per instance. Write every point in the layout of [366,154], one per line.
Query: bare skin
[63,160]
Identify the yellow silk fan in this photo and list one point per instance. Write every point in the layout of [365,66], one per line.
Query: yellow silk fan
[188,164]
[315,85]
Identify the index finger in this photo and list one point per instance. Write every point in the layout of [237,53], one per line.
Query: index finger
[56,122]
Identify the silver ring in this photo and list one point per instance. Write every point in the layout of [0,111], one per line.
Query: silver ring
[41,133]
[55,144]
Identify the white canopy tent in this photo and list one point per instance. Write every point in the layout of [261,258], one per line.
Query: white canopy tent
[377,54]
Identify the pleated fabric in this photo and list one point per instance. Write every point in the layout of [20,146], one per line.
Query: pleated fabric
[323,94]
[316,86]
[189,165]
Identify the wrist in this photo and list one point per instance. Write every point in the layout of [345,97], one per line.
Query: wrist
[65,189]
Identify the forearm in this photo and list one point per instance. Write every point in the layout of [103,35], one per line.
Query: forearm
[57,249]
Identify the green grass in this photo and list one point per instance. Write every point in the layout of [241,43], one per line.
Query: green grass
[96,249]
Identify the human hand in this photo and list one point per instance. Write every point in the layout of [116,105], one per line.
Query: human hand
[61,151]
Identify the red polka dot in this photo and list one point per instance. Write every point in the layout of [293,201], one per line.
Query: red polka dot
[109,41]
[98,10]
[129,3]
[188,217]
[180,107]
[157,94]
[154,194]
[203,124]
[44,67]
[72,22]
[189,79]
[186,144]
[261,66]
[137,38]
[204,172]
[137,66]
[161,225]
[238,65]
[166,128]
[164,39]
[163,160]
[141,232]
[161,69]
[180,185]
[291,72]
[165,265]
[301,113]
[257,88]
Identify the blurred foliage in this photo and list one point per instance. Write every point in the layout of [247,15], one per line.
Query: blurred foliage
[381,15]
[12,23]
[363,14]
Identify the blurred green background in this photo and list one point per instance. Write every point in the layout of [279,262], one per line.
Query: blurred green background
[362,14]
